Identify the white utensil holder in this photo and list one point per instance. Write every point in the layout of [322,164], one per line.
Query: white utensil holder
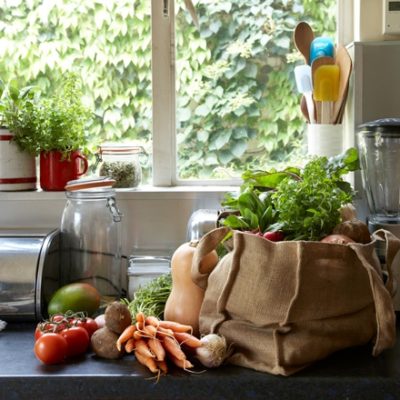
[324,140]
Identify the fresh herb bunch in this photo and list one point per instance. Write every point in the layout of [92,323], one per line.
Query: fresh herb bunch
[16,102]
[304,204]
[58,121]
[151,298]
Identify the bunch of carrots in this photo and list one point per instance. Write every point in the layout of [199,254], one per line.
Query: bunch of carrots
[154,341]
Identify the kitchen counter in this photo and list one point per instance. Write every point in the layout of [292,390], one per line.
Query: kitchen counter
[349,374]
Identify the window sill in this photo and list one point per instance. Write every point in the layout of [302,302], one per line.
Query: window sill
[126,194]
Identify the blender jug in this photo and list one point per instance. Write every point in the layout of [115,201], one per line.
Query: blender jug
[379,148]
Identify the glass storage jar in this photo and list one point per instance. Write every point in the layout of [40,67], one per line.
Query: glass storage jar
[91,237]
[121,163]
[143,269]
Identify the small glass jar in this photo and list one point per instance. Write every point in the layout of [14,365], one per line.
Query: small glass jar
[91,238]
[121,163]
[143,269]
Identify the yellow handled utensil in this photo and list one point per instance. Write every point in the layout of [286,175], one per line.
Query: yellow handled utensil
[326,89]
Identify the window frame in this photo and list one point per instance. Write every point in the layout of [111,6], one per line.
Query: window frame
[164,91]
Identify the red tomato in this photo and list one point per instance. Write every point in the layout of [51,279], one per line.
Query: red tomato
[49,327]
[51,348]
[38,333]
[77,339]
[89,324]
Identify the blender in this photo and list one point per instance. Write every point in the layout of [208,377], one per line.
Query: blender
[379,150]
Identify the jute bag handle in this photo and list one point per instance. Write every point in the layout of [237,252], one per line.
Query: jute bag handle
[384,312]
[207,243]
[392,247]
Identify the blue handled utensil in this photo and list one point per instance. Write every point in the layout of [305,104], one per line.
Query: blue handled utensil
[321,47]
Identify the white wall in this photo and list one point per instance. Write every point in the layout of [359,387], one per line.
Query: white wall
[153,220]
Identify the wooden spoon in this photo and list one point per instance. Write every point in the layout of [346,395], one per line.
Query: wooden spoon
[343,60]
[303,36]
[304,108]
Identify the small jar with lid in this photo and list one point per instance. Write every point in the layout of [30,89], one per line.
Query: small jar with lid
[121,163]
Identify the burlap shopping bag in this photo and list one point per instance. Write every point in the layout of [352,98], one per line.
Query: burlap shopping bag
[282,306]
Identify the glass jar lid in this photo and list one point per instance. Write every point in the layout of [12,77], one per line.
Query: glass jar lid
[121,148]
[96,182]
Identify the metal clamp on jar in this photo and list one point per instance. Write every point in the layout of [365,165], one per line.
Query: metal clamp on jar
[91,237]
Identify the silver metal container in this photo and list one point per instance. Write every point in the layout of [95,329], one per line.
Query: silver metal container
[201,222]
[29,272]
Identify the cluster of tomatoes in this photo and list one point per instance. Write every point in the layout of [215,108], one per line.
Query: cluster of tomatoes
[63,336]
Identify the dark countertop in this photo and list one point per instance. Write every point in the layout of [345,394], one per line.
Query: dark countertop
[349,374]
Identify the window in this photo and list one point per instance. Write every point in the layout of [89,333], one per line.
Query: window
[207,89]
[236,102]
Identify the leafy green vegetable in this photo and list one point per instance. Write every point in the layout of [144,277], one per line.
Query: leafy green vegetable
[55,123]
[152,297]
[16,102]
[304,204]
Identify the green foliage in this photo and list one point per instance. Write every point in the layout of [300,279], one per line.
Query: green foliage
[309,208]
[237,102]
[13,100]
[56,122]
[304,204]
[241,108]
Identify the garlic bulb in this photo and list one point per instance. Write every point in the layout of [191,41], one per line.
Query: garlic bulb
[213,351]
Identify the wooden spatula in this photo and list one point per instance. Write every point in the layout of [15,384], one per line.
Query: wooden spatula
[343,60]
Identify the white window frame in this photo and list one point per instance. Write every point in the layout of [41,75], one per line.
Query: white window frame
[163,86]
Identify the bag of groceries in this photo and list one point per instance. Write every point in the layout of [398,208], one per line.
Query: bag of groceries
[284,305]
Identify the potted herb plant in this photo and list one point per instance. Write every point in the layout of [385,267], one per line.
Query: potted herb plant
[17,167]
[59,136]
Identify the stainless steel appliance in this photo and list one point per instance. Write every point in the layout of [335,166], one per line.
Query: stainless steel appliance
[379,148]
[29,272]
[374,94]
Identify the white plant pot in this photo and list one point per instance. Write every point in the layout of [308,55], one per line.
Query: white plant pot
[17,168]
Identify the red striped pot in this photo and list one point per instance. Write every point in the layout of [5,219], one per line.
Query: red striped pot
[17,168]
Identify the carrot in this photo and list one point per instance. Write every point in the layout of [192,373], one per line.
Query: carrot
[140,318]
[142,348]
[125,336]
[173,348]
[157,348]
[184,364]
[148,362]
[187,339]
[176,326]
[137,335]
[130,345]
[162,332]
[149,330]
[154,321]
[163,366]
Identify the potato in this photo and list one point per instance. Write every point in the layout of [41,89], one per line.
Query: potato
[117,317]
[337,239]
[104,344]
[354,229]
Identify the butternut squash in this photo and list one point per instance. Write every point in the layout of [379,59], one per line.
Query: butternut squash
[185,300]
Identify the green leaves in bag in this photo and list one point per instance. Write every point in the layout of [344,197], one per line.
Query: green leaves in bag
[303,203]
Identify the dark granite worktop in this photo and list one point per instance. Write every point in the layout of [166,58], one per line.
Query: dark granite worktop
[350,374]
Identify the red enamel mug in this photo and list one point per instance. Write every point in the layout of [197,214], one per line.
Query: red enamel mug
[56,169]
